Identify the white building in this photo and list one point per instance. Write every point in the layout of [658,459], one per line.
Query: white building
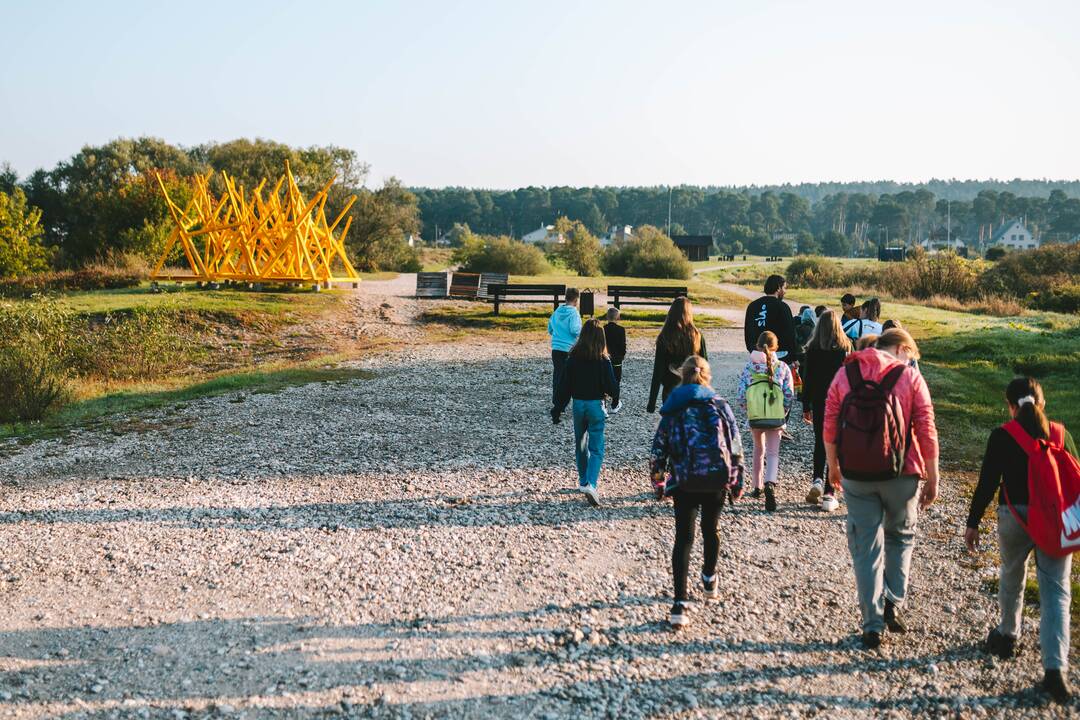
[545,233]
[617,233]
[1014,236]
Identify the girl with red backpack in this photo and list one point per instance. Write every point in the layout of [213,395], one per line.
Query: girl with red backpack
[1006,465]
[880,441]
[696,459]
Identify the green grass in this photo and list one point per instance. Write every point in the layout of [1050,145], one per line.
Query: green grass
[188,297]
[175,391]
[435,259]
[968,360]
[482,318]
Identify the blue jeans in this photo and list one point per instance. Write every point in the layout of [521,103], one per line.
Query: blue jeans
[588,440]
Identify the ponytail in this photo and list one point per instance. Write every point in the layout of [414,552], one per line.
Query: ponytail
[1026,395]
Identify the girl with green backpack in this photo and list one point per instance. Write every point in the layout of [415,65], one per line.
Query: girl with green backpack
[766,392]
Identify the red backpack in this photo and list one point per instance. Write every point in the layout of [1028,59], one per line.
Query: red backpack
[872,441]
[1053,522]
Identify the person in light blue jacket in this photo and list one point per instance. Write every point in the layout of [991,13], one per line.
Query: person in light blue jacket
[564,326]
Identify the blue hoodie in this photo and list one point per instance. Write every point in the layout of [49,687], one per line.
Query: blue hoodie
[564,327]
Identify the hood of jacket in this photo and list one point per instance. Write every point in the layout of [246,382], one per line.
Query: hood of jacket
[684,396]
[873,363]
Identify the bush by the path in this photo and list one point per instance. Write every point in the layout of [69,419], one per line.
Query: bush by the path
[500,254]
[649,253]
[1047,278]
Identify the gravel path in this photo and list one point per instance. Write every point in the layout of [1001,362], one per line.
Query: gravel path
[406,546]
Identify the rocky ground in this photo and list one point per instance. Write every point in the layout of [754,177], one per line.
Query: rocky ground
[408,545]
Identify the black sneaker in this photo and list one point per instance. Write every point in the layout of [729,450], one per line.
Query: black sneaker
[871,640]
[1001,645]
[1057,687]
[770,498]
[892,620]
[679,615]
[710,587]
[755,493]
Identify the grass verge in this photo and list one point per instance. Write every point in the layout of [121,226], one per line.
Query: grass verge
[701,291]
[481,318]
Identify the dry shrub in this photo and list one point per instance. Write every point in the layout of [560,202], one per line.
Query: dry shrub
[33,351]
[88,278]
[140,344]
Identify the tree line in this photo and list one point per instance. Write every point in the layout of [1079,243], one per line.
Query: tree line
[767,221]
[105,200]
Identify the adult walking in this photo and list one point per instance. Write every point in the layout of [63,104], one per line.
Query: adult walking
[563,326]
[1005,466]
[770,313]
[678,340]
[822,359]
[880,471]
[696,459]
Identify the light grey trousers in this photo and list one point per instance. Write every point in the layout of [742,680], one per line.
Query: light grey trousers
[1054,590]
[881,535]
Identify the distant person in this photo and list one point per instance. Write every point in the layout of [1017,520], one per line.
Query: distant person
[615,334]
[766,392]
[847,304]
[1005,466]
[822,359]
[563,327]
[587,378]
[871,314]
[820,310]
[770,313]
[698,442]
[678,340]
[804,326]
[880,441]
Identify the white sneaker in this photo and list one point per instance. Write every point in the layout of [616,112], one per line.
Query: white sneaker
[829,503]
[710,588]
[679,615]
[603,407]
[815,491]
[591,495]
[615,410]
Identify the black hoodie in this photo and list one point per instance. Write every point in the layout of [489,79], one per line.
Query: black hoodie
[769,312]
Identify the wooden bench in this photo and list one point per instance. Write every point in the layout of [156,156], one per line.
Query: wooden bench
[489,279]
[645,294]
[464,285]
[431,285]
[503,293]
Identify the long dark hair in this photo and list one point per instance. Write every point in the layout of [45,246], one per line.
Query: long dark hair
[679,336]
[1032,414]
[591,344]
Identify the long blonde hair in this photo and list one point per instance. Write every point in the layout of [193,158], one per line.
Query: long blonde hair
[680,336]
[829,334]
[695,370]
[768,344]
[900,339]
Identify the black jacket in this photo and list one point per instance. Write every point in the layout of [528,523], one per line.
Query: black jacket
[771,313]
[585,380]
[1005,464]
[662,377]
[817,370]
[615,335]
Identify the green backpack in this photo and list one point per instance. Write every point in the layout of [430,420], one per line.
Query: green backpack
[765,402]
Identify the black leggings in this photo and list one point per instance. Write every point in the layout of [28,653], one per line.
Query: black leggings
[686,510]
[819,440]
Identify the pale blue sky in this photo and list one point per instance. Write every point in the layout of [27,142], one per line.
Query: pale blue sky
[506,94]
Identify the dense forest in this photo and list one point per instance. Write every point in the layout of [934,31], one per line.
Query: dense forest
[843,220]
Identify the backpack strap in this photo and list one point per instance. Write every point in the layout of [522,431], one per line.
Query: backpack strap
[854,374]
[1027,443]
[1057,435]
[889,381]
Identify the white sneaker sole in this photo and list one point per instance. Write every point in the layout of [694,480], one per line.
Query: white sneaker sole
[678,622]
[591,496]
[830,507]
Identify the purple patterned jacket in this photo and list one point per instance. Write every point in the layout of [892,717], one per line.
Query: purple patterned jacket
[697,446]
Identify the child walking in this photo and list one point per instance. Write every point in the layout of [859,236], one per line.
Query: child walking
[1005,466]
[823,357]
[615,336]
[587,378]
[766,392]
[696,459]
[563,327]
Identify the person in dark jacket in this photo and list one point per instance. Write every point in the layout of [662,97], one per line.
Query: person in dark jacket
[615,335]
[587,378]
[1005,466]
[770,312]
[822,358]
[696,459]
[678,340]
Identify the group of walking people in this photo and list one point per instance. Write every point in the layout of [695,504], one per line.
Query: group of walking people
[875,444]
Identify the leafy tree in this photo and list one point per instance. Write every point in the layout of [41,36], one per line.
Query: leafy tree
[649,253]
[502,254]
[808,244]
[835,244]
[21,250]
[581,250]
[458,234]
[383,219]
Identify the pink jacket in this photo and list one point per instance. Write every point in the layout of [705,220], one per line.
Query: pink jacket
[915,406]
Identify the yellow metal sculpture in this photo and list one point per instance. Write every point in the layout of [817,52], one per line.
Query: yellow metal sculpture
[279,238]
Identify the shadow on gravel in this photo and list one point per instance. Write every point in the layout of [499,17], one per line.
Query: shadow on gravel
[547,509]
[252,661]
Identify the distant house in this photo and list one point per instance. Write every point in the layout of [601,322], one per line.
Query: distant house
[941,239]
[1014,236]
[695,247]
[617,233]
[545,233]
